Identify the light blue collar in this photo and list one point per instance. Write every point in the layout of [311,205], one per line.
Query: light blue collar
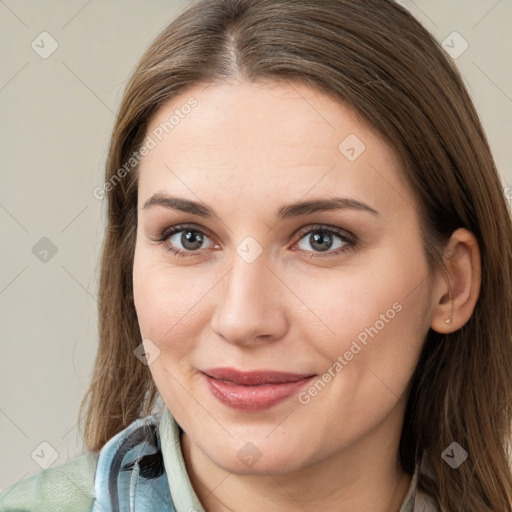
[130,474]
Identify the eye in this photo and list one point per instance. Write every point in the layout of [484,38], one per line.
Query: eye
[323,239]
[183,241]
[186,241]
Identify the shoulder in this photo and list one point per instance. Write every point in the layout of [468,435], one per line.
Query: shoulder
[70,484]
[129,468]
[424,503]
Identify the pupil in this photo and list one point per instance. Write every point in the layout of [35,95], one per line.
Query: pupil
[191,237]
[318,239]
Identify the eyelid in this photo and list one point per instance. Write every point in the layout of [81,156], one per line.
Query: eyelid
[176,228]
[342,233]
[166,232]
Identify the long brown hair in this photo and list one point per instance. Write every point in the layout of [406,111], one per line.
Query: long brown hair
[376,57]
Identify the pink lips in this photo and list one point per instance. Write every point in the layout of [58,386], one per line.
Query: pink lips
[253,390]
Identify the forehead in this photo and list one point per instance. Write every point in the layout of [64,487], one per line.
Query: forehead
[254,139]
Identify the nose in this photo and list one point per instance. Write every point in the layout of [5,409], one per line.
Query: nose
[250,308]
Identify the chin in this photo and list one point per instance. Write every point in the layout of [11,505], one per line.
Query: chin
[250,460]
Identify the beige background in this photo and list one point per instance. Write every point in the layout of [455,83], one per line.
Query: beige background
[56,117]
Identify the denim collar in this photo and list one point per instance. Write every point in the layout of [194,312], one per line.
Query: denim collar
[130,474]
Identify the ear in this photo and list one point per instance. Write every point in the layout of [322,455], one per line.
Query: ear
[455,295]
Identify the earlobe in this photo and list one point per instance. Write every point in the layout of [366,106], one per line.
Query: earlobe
[457,291]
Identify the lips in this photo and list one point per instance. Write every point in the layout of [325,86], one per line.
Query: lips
[253,390]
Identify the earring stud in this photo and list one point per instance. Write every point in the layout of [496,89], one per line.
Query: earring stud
[449,321]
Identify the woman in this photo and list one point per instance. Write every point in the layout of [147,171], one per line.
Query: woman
[308,258]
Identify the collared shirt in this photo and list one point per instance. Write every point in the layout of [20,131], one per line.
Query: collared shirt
[140,469]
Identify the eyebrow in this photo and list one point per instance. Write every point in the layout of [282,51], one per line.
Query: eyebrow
[284,212]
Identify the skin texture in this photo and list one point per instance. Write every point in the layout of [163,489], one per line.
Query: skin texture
[245,150]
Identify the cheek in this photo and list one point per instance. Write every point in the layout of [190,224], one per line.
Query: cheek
[168,302]
[372,328]
[379,330]
[382,296]
[167,316]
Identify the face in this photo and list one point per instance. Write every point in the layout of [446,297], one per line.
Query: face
[337,296]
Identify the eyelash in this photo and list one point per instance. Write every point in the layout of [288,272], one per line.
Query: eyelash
[349,240]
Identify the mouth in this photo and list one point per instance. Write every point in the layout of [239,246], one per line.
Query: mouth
[253,390]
